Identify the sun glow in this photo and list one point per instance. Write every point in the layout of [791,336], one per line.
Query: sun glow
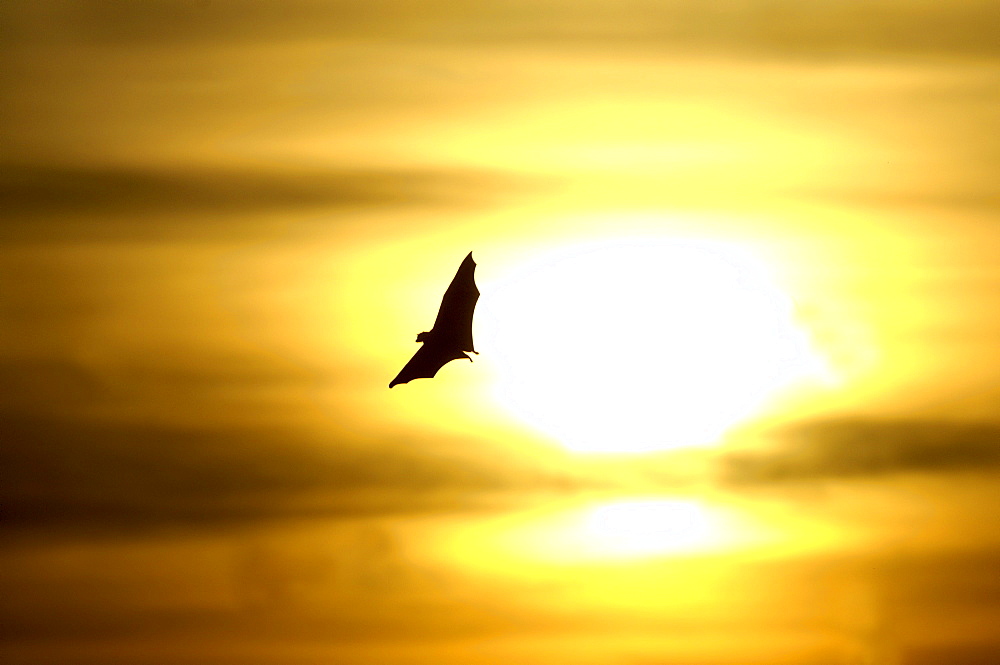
[592,531]
[644,343]
[626,530]
[635,528]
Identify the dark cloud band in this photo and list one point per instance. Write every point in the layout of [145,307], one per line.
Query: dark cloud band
[856,448]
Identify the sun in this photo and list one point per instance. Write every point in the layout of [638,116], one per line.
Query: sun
[643,344]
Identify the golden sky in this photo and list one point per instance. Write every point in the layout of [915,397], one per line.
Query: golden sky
[739,378]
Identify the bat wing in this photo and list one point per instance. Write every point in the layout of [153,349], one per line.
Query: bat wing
[453,325]
[426,362]
[451,335]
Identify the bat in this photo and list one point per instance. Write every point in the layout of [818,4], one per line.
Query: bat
[451,335]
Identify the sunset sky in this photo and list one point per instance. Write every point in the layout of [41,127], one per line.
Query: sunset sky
[738,391]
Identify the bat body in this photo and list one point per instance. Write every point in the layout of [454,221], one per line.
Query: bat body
[451,335]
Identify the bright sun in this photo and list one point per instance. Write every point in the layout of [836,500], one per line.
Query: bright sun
[643,344]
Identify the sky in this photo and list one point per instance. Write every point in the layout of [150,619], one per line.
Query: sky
[738,383]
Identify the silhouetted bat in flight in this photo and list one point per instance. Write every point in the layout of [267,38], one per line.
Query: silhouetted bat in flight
[451,335]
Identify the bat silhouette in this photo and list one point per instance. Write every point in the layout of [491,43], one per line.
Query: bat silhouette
[451,335]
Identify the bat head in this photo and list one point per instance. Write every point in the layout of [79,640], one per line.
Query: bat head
[423,337]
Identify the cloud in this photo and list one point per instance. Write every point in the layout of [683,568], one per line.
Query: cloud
[858,447]
[92,473]
[224,440]
[783,27]
[71,196]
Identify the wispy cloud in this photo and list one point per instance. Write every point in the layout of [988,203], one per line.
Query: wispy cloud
[97,475]
[788,28]
[72,196]
[845,448]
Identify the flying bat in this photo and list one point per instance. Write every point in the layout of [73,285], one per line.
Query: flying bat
[451,335]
